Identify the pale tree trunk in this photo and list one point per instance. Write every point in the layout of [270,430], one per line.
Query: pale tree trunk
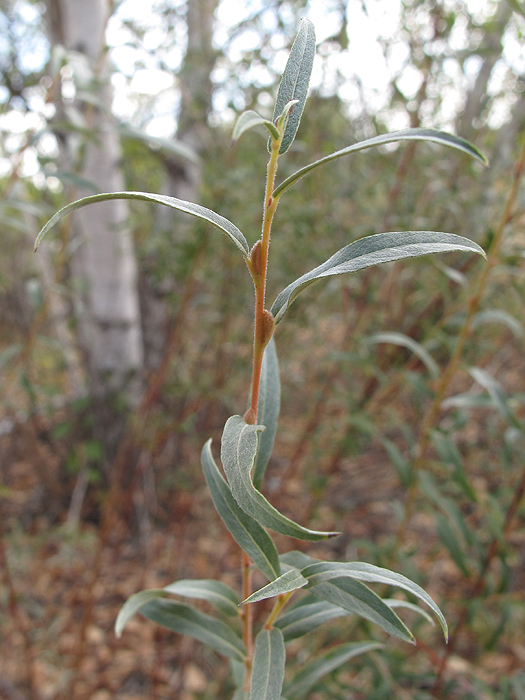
[103,264]
[183,178]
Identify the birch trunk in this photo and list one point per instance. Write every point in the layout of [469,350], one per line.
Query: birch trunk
[103,264]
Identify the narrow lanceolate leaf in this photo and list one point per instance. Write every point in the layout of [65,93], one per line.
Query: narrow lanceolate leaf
[395,603]
[440,137]
[187,207]
[217,593]
[268,411]
[250,119]
[289,581]
[372,250]
[495,392]
[326,663]
[410,344]
[268,665]
[295,81]
[238,450]
[357,598]
[194,623]
[304,618]
[133,604]
[361,571]
[249,535]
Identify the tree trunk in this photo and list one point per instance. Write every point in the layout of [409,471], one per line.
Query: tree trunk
[103,264]
[183,178]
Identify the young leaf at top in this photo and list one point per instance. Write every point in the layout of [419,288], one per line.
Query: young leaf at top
[249,535]
[327,662]
[268,411]
[432,135]
[372,250]
[295,81]
[250,119]
[238,450]
[268,665]
[208,215]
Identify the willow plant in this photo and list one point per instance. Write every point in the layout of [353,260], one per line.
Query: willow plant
[323,590]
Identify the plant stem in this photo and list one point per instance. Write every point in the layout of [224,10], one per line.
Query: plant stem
[263,331]
[278,606]
[258,266]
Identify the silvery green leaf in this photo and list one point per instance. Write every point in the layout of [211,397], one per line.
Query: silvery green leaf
[395,603]
[308,676]
[303,618]
[372,250]
[354,596]
[194,623]
[498,316]
[249,535]
[187,207]
[493,388]
[295,81]
[361,571]
[133,604]
[406,342]
[418,134]
[215,592]
[289,581]
[250,119]
[238,450]
[268,411]
[268,665]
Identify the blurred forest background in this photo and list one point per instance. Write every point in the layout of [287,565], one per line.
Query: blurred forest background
[125,341]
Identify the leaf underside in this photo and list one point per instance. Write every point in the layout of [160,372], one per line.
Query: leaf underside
[268,411]
[418,134]
[238,450]
[268,665]
[208,215]
[373,250]
[247,532]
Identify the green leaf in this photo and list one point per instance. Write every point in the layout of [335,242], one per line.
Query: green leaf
[499,316]
[306,617]
[326,663]
[238,450]
[157,143]
[372,250]
[194,623]
[268,665]
[238,669]
[361,571]
[495,392]
[410,344]
[249,535]
[401,465]
[133,605]
[295,81]
[357,598]
[450,540]
[268,411]
[395,603]
[418,134]
[250,119]
[290,581]
[215,592]
[188,207]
